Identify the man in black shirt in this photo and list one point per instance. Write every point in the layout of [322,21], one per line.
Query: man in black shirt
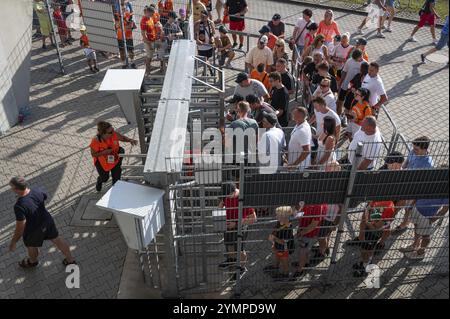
[34,223]
[258,108]
[286,78]
[277,26]
[280,98]
[237,9]
[323,72]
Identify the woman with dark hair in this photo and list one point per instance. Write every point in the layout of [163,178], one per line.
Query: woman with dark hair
[355,84]
[361,108]
[327,144]
[105,150]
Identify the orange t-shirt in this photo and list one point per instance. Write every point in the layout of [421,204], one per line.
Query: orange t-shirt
[165,7]
[84,40]
[329,31]
[156,17]
[272,40]
[108,162]
[148,26]
[261,77]
[362,110]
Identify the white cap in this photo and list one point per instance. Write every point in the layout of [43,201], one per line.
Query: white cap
[264,39]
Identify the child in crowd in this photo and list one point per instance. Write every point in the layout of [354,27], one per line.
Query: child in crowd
[283,245]
[91,57]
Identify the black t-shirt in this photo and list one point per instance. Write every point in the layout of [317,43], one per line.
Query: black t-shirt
[236,6]
[427,6]
[288,80]
[277,29]
[32,209]
[286,233]
[333,85]
[280,101]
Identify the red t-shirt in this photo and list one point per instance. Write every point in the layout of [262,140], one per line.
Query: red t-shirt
[148,26]
[310,214]
[387,209]
[232,208]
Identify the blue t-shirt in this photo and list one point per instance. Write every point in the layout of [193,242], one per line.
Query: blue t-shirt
[415,161]
[32,209]
[429,207]
[445,28]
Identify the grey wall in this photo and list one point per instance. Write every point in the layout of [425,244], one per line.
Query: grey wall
[15,45]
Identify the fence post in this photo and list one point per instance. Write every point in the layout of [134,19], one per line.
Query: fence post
[343,215]
[237,289]
[53,35]
[122,25]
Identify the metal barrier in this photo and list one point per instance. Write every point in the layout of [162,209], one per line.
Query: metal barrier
[199,225]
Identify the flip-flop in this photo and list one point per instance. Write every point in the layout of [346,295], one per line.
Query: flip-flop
[66,263]
[25,263]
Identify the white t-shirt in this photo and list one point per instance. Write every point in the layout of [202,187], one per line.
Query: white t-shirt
[270,145]
[258,56]
[371,146]
[340,52]
[300,136]
[351,68]
[329,98]
[319,120]
[301,25]
[375,86]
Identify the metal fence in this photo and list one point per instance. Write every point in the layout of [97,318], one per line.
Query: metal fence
[102,20]
[200,227]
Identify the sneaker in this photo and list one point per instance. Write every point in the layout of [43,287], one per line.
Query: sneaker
[413,39]
[388,30]
[241,46]
[407,249]
[44,47]
[414,255]
[92,70]
[98,186]
[234,45]
[96,69]
[133,65]
[359,31]
[422,58]
[380,35]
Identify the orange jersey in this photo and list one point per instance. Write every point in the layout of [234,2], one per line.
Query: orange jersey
[261,77]
[148,27]
[156,17]
[329,31]
[108,162]
[362,110]
[164,7]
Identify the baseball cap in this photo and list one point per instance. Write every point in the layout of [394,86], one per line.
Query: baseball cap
[241,77]
[223,29]
[83,28]
[182,12]
[361,41]
[264,39]
[276,16]
[394,157]
[270,117]
[264,29]
[252,98]
[235,99]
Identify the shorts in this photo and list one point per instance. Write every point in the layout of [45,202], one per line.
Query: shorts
[206,53]
[427,18]
[300,49]
[371,239]
[90,55]
[342,94]
[130,45]
[149,49]
[237,25]
[390,3]
[306,242]
[422,224]
[326,228]
[443,40]
[35,238]
[231,237]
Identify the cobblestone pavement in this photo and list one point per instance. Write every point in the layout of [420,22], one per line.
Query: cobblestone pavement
[50,149]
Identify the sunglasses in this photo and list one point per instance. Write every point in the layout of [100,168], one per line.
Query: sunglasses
[324,85]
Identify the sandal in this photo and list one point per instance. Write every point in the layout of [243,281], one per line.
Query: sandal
[66,263]
[25,263]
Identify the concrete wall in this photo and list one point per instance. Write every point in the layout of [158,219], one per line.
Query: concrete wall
[15,45]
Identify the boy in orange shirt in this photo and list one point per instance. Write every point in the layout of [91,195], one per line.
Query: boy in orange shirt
[89,53]
[261,75]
